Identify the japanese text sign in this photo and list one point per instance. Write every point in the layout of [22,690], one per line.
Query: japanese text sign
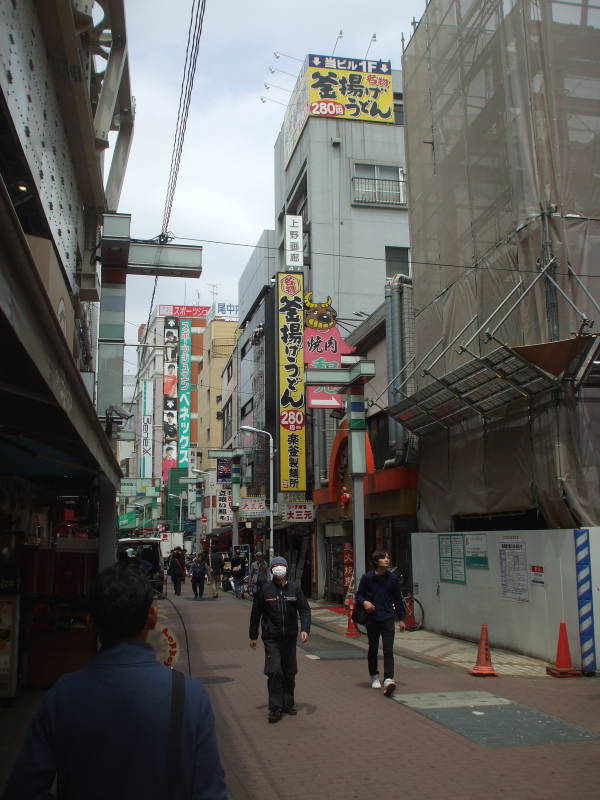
[290,331]
[294,249]
[185,366]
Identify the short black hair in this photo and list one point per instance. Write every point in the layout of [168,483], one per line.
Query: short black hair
[119,602]
[379,554]
[170,414]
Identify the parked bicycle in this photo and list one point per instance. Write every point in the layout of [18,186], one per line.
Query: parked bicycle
[415,616]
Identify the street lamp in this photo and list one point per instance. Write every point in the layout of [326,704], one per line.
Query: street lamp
[180,498]
[250,429]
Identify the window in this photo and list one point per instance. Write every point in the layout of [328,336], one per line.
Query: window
[229,371]
[376,184]
[227,419]
[397,261]
[247,408]
[398,109]
[247,345]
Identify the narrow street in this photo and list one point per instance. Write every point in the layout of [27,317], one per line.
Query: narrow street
[521,737]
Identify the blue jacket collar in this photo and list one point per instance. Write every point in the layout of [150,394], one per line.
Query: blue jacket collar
[131,651]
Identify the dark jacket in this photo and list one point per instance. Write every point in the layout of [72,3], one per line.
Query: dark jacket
[278,607]
[177,565]
[216,564]
[238,561]
[384,592]
[198,570]
[103,731]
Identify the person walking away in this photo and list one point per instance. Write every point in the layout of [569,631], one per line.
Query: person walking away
[199,571]
[259,573]
[276,607]
[216,572]
[176,569]
[380,595]
[238,572]
[96,730]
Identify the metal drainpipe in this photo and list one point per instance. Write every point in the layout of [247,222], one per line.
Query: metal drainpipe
[321,423]
[395,345]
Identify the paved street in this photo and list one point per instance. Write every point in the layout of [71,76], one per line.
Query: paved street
[533,737]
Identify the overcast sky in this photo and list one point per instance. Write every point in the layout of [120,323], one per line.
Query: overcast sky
[225,186]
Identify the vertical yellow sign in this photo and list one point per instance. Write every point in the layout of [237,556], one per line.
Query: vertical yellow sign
[292,409]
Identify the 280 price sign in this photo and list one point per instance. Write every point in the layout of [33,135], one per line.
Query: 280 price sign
[292,420]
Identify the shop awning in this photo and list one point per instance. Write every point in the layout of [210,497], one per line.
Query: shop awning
[484,386]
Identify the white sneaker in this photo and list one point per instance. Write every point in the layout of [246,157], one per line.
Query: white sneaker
[389,687]
[375,682]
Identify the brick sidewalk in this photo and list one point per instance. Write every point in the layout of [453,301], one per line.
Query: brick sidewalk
[349,741]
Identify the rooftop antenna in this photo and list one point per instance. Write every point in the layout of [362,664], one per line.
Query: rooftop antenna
[373,39]
[214,290]
[402,40]
[414,22]
[339,36]
[278,54]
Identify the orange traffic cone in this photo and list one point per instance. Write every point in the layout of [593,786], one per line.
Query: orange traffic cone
[483,665]
[564,666]
[351,630]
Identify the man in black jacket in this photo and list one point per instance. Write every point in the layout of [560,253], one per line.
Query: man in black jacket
[277,605]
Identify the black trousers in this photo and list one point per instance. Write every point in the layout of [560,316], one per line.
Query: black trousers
[386,630]
[198,586]
[280,668]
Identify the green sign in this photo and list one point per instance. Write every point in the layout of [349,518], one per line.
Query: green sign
[452,557]
[476,551]
[128,520]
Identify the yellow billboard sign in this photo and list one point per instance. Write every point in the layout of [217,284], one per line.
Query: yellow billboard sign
[292,409]
[341,88]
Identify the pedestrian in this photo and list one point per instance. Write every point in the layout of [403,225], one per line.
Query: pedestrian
[238,572]
[199,572]
[259,572]
[176,569]
[96,730]
[276,607]
[216,572]
[380,595]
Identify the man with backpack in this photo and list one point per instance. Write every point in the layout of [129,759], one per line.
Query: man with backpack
[199,571]
[176,569]
[380,595]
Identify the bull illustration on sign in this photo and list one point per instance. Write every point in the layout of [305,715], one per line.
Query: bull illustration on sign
[319,315]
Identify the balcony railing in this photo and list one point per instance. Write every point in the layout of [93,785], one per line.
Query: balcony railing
[376,191]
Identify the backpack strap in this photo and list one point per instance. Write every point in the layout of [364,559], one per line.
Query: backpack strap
[174,741]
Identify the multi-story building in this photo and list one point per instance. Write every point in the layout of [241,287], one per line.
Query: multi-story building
[340,172]
[502,136]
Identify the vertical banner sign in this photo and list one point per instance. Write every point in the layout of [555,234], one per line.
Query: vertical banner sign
[294,248]
[585,600]
[290,331]
[147,429]
[185,366]
[171,343]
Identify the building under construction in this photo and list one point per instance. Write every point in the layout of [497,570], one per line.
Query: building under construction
[503,140]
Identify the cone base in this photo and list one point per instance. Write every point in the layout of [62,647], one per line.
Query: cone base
[354,634]
[563,673]
[483,672]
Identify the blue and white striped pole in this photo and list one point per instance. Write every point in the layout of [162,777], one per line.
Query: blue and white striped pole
[585,602]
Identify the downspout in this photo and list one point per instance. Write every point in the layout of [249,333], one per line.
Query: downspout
[396,360]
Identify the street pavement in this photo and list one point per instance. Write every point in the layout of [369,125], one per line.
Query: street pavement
[445,734]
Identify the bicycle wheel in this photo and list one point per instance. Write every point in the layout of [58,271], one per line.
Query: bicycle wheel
[418,615]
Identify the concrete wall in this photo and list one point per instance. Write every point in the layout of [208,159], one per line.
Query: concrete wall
[528,626]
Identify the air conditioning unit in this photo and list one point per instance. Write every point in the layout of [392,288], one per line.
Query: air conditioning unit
[219,398]
[219,415]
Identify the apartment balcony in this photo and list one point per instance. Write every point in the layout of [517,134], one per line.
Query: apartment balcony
[379,192]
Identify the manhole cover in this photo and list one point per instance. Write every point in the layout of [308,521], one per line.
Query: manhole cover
[331,649]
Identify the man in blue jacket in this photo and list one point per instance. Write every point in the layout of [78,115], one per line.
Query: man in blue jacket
[104,732]
[380,595]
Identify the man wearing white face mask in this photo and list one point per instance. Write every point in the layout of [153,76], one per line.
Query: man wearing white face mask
[277,607]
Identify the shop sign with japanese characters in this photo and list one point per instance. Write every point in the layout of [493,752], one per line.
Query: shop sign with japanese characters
[343,88]
[185,367]
[251,507]
[294,248]
[298,512]
[183,311]
[224,513]
[292,411]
